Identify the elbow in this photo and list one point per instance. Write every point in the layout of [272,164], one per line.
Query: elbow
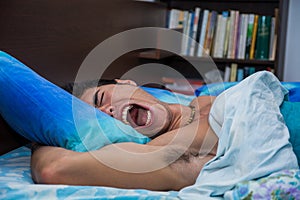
[47,175]
[52,173]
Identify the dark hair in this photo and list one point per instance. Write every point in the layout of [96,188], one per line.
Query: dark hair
[80,87]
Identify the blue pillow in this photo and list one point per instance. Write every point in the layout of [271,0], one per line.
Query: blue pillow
[42,112]
[291,114]
[215,89]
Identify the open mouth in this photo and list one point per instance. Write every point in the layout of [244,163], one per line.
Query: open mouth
[136,115]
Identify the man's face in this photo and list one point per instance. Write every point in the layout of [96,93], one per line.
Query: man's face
[132,106]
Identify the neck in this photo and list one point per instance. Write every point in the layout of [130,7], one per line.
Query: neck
[181,116]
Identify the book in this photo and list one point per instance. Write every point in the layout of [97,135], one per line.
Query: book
[274,45]
[199,28]
[174,19]
[272,35]
[227,35]
[254,34]
[234,19]
[184,39]
[243,36]
[190,31]
[236,35]
[210,32]
[233,72]
[202,33]
[187,41]
[194,32]
[249,35]
[218,50]
[216,44]
[240,74]
[263,37]
[227,74]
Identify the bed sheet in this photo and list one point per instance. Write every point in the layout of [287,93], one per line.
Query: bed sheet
[16,183]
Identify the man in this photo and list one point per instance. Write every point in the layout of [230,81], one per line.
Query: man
[183,142]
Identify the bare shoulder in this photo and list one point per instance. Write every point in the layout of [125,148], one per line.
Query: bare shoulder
[203,101]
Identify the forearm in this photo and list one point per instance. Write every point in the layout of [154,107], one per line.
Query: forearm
[105,167]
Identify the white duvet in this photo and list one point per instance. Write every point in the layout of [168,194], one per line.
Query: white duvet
[253,138]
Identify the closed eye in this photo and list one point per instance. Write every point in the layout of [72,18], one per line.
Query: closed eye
[96,98]
[98,103]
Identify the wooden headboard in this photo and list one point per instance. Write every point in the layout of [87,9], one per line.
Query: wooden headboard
[54,36]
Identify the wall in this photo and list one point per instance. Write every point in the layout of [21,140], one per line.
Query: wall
[292,55]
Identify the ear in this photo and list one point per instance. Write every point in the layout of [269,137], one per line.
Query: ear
[130,82]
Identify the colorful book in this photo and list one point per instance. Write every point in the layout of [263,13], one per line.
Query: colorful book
[210,33]
[263,37]
[227,74]
[202,33]
[231,34]
[220,35]
[240,74]
[249,35]
[227,36]
[243,37]
[236,35]
[254,34]
[190,31]
[184,39]
[233,72]
[194,32]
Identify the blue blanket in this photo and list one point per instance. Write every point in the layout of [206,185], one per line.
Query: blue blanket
[253,137]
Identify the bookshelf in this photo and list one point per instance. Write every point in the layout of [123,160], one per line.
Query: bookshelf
[272,9]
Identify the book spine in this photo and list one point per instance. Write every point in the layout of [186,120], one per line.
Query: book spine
[233,72]
[211,30]
[254,34]
[236,35]
[242,45]
[272,36]
[249,35]
[227,36]
[216,45]
[180,19]
[220,44]
[194,32]
[184,39]
[263,38]
[227,74]
[204,52]
[240,74]
[231,34]
[202,33]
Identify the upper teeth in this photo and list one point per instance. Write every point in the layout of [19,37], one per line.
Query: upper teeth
[148,117]
[125,112]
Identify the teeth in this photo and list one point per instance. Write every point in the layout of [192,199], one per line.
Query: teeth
[124,114]
[148,118]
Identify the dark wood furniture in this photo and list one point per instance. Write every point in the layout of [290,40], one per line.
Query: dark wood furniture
[54,36]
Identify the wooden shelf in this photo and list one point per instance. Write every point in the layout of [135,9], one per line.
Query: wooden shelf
[227,60]
[158,55]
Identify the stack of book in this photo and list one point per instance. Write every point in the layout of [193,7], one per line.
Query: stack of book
[229,34]
[234,72]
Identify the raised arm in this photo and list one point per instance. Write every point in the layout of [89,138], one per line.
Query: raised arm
[124,165]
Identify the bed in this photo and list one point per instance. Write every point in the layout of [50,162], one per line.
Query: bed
[15,177]
[27,36]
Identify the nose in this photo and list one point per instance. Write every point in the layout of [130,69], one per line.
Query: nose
[108,110]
